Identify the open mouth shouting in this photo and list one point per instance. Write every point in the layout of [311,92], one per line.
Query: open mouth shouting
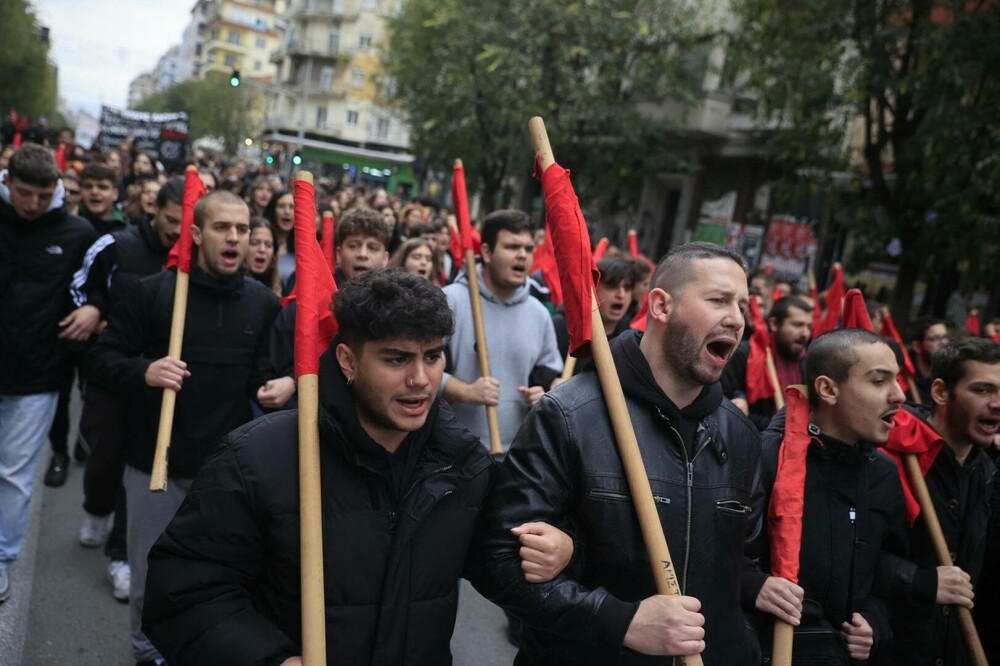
[259,263]
[519,270]
[889,417]
[230,258]
[988,425]
[719,349]
[415,405]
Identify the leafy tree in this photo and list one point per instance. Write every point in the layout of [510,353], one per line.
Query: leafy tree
[918,79]
[27,81]
[470,73]
[214,107]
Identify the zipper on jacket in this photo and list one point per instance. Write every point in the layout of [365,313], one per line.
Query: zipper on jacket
[852,515]
[392,521]
[612,495]
[689,466]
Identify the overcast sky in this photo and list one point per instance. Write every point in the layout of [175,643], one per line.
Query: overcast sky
[101,45]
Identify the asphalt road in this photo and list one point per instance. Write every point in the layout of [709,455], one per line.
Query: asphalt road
[73,619]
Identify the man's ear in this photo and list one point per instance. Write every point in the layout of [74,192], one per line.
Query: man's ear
[826,390]
[196,234]
[347,361]
[660,305]
[939,392]
[772,324]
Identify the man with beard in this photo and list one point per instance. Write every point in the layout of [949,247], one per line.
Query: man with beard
[403,483]
[925,335]
[112,265]
[790,325]
[520,338]
[225,364]
[853,508]
[702,459]
[965,388]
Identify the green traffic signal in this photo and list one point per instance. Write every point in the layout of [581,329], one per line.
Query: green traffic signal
[297,158]
[234,78]
[269,159]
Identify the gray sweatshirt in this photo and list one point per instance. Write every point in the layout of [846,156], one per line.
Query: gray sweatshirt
[519,338]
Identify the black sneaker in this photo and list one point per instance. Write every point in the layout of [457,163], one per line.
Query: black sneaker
[58,469]
[4,585]
[80,452]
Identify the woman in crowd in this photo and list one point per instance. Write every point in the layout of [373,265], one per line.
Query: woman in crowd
[416,256]
[280,213]
[260,195]
[261,260]
[142,198]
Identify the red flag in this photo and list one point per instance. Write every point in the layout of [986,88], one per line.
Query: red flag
[571,242]
[461,201]
[639,320]
[61,158]
[912,435]
[180,253]
[455,247]
[972,323]
[545,261]
[856,312]
[777,295]
[314,286]
[601,249]
[758,381]
[788,495]
[834,301]
[633,243]
[327,232]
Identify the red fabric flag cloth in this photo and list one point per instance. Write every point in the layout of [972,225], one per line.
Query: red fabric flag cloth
[327,231]
[180,253]
[455,247]
[912,435]
[972,323]
[545,261]
[777,295]
[639,320]
[571,243]
[758,381]
[314,286]
[61,158]
[834,301]
[788,495]
[856,312]
[601,249]
[460,199]
[633,248]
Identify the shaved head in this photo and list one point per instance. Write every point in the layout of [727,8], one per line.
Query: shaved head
[676,269]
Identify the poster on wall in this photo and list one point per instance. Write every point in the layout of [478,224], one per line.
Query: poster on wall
[788,247]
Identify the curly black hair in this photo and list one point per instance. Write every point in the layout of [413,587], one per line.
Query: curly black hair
[390,303]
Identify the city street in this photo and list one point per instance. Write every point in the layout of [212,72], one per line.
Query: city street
[73,619]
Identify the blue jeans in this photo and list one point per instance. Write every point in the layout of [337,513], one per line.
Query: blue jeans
[24,427]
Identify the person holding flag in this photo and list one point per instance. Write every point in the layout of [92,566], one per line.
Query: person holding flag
[852,506]
[965,388]
[402,486]
[224,364]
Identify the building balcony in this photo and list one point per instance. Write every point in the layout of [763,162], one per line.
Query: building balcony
[321,9]
[214,45]
[311,48]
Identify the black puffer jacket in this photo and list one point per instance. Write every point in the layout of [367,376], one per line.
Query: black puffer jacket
[853,511]
[224,579]
[37,260]
[225,347]
[564,468]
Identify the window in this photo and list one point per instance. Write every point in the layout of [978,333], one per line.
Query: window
[230,60]
[333,42]
[357,78]
[369,5]
[257,65]
[352,118]
[364,41]
[321,117]
[234,37]
[382,128]
[261,43]
[325,78]
[197,49]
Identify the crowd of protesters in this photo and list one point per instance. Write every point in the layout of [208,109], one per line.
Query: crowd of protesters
[210,567]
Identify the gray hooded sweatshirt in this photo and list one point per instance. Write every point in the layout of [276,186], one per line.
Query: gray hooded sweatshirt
[519,338]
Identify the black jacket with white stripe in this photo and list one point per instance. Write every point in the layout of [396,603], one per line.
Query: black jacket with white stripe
[114,263]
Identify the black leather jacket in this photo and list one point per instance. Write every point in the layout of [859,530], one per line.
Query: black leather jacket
[564,468]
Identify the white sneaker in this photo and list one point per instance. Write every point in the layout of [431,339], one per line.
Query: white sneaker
[120,576]
[95,530]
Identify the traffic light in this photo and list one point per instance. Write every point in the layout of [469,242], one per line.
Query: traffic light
[297,158]
[269,159]
[234,78]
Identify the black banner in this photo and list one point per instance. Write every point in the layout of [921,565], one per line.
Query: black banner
[162,135]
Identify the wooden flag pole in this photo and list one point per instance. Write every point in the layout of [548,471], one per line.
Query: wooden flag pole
[662,564]
[310,514]
[164,432]
[568,367]
[772,377]
[493,423]
[919,487]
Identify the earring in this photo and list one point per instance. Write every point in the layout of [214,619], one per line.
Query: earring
[350,381]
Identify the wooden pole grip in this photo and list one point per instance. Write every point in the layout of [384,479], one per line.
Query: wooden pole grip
[940,545]
[772,376]
[164,431]
[311,525]
[568,367]
[492,421]
[781,648]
